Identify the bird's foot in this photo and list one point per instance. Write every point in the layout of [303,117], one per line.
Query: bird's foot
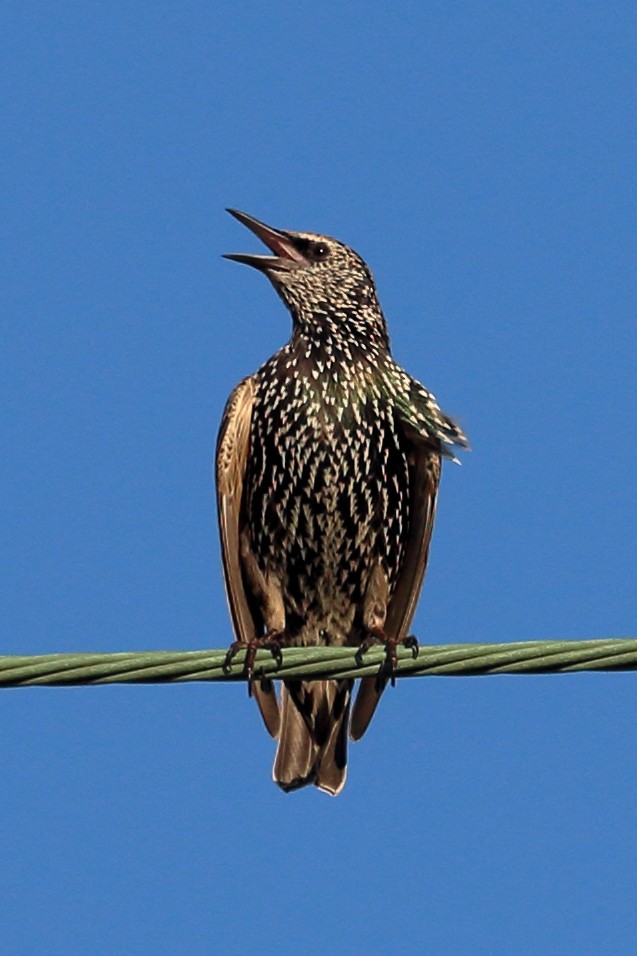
[388,668]
[270,641]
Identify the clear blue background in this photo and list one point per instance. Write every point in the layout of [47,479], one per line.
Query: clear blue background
[481,157]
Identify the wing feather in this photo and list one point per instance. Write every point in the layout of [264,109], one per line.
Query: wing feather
[233,445]
[424,479]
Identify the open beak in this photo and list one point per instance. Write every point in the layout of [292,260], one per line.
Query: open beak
[286,256]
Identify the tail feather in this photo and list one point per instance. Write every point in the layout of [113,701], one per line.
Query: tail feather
[313,735]
[332,769]
[296,753]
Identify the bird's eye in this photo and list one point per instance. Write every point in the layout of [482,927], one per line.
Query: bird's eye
[321,251]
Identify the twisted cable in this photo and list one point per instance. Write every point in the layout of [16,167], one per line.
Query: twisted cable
[450,660]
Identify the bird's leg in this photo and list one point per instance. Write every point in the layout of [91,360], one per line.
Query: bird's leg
[376,635]
[265,587]
[269,641]
[272,642]
[374,617]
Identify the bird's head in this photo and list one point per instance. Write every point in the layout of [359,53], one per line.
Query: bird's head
[318,278]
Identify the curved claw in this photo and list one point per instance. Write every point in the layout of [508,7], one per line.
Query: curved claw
[364,646]
[272,644]
[411,642]
[390,664]
[269,641]
[233,650]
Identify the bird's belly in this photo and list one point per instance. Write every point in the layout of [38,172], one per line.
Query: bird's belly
[324,509]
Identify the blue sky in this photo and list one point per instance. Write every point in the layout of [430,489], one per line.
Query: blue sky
[481,157]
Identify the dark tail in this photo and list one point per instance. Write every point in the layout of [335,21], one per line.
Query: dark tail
[313,735]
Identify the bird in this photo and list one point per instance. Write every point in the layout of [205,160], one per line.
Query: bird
[328,464]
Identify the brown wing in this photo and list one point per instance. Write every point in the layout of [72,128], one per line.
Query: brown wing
[424,478]
[233,445]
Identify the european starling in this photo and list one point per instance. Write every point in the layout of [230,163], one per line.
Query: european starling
[328,464]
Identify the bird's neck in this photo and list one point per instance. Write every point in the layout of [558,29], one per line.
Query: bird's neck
[353,335]
[337,371]
[326,351]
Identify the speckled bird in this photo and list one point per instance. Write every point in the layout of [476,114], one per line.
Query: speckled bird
[328,465]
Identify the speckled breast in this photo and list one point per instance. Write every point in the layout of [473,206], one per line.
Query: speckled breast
[327,491]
